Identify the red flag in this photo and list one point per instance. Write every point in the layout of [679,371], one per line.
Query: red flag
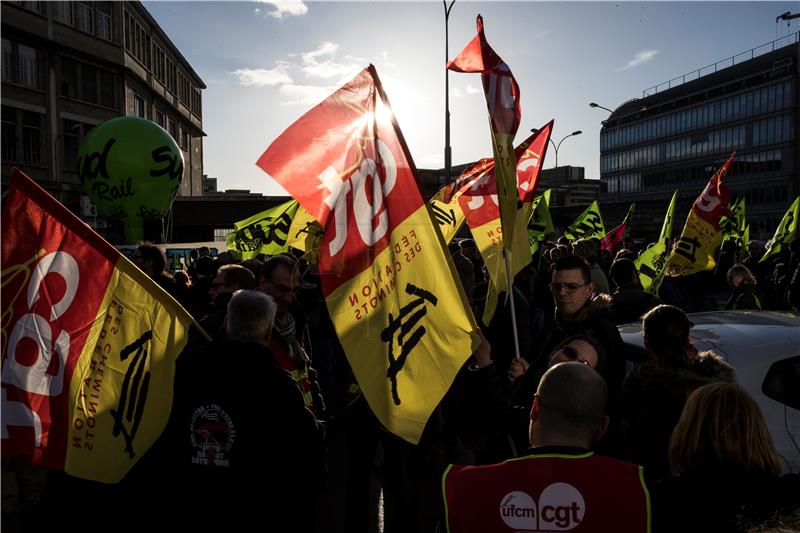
[502,91]
[614,237]
[714,202]
[390,291]
[89,343]
[502,99]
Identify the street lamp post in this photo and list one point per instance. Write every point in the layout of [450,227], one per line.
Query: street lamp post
[557,146]
[447,153]
[593,104]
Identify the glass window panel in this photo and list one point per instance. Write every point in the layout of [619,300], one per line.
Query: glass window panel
[69,78]
[28,66]
[88,83]
[31,137]
[107,88]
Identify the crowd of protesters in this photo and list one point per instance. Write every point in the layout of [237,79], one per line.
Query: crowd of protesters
[269,426]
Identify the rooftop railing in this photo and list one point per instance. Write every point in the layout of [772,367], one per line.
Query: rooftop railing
[725,63]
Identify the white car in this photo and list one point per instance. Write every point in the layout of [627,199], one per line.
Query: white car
[764,349]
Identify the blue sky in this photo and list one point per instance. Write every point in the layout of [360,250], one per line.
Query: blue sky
[267,63]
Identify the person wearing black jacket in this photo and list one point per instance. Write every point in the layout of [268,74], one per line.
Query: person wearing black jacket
[744,294]
[240,446]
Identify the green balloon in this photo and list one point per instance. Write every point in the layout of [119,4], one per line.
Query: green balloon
[132,169]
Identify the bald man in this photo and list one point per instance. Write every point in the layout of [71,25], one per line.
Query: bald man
[560,483]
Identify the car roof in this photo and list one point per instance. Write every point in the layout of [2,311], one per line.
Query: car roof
[735,332]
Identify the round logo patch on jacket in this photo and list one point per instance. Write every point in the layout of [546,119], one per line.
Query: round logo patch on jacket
[212,433]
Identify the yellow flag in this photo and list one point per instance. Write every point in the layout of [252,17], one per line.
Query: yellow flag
[786,232]
[305,234]
[588,225]
[263,233]
[98,390]
[652,261]
[402,318]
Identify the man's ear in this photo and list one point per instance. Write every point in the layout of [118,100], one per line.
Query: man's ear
[535,408]
[601,429]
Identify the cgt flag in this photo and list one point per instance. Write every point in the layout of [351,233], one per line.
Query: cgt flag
[263,233]
[694,250]
[786,232]
[651,262]
[588,225]
[478,201]
[502,99]
[401,317]
[89,343]
[733,226]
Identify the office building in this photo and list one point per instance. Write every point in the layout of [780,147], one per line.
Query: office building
[679,132]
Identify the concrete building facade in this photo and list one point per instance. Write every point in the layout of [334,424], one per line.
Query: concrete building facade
[68,66]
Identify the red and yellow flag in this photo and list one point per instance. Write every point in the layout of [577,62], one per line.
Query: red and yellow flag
[502,100]
[478,201]
[89,343]
[401,317]
[694,250]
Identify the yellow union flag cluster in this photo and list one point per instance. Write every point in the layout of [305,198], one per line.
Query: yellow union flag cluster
[401,317]
[89,343]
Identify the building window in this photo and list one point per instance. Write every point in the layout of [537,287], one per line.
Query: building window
[88,83]
[160,119]
[107,89]
[102,11]
[221,234]
[31,137]
[62,12]
[83,17]
[184,138]
[69,77]
[73,133]
[10,138]
[172,130]
[138,106]
[21,64]
[36,7]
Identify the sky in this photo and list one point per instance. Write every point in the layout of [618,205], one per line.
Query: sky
[267,63]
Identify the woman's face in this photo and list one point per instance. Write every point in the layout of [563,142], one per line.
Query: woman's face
[735,280]
[576,350]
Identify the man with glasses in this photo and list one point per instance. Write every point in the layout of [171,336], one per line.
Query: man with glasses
[559,484]
[229,279]
[279,277]
[577,313]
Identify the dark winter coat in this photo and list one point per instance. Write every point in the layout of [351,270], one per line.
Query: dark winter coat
[653,397]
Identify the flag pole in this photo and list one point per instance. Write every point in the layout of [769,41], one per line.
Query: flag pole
[510,280]
[447,153]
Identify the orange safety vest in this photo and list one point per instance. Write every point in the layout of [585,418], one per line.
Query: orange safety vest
[550,492]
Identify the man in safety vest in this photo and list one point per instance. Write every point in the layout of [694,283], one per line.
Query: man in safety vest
[560,485]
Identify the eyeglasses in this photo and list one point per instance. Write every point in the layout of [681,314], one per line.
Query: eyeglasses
[281,289]
[569,287]
[573,354]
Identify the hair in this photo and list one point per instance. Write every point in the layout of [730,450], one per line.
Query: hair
[181,277]
[251,315]
[722,426]
[151,252]
[572,262]
[239,275]
[266,270]
[666,331]
[466,243]
[585,249]
[594,343]
[741,270]
[622,271]
[573,400]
